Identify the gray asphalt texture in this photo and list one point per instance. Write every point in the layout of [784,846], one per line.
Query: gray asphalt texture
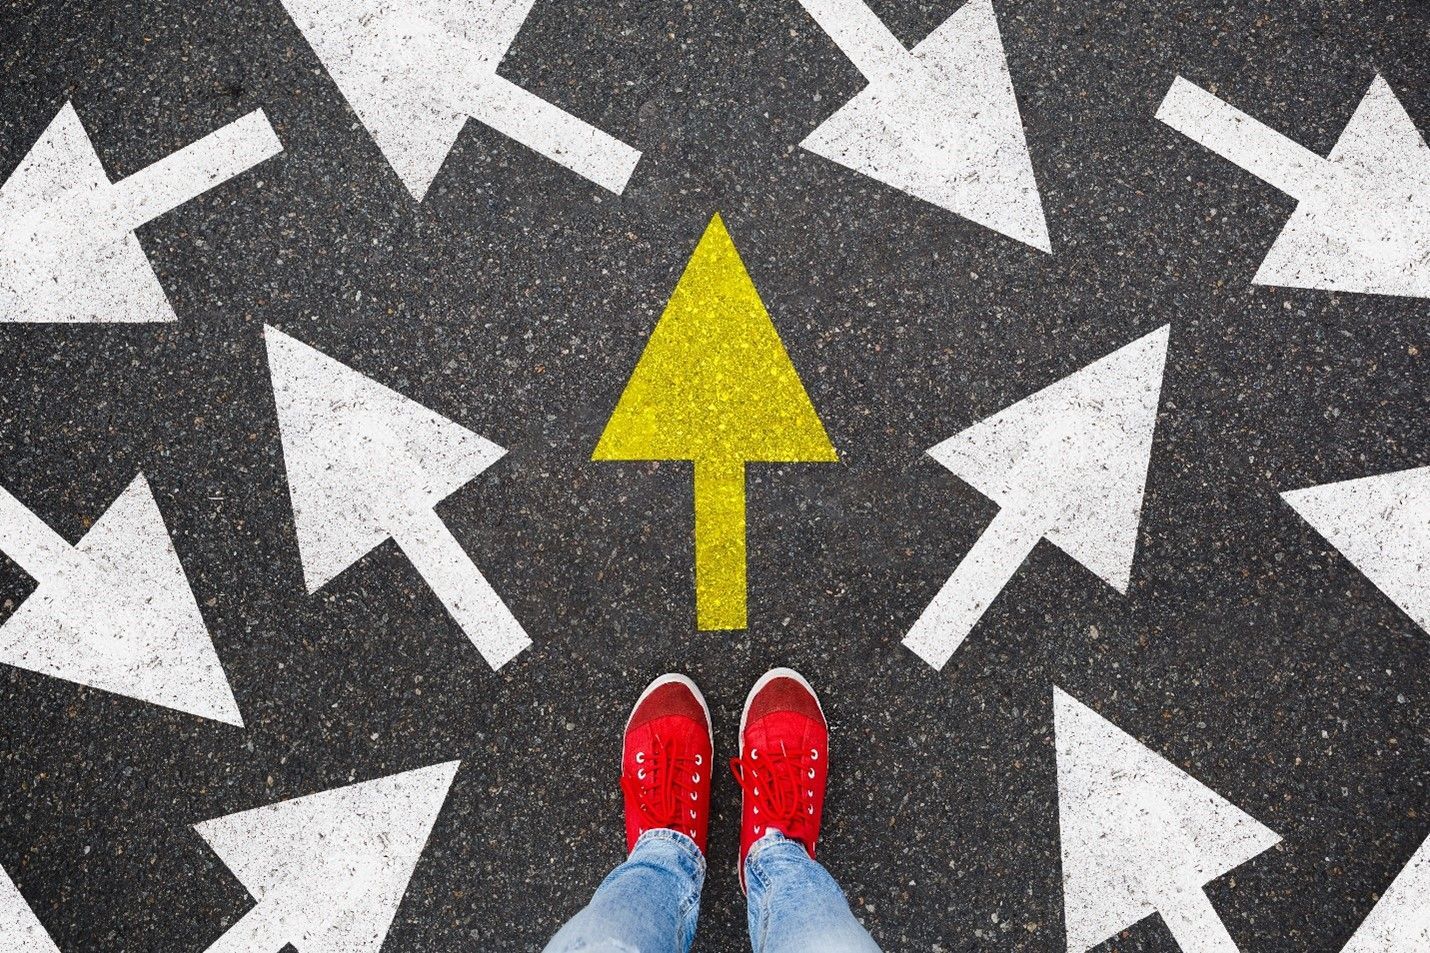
[516,299]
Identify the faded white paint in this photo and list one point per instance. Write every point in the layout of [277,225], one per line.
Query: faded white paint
[366,463]
[114,612]
[414,70]
[20,930]
[1068,464]
[1382,525]
[68,252]
[940,122]
[1400,922]
[328,871]
[1140,836]
[1362,222]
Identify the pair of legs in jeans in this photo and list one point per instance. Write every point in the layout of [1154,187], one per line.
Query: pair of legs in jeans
[650,903]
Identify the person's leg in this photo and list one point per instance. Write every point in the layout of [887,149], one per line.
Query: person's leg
[650,903]
[794,905]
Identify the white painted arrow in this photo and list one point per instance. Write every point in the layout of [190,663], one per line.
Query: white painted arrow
[114,612]
[20,929]
[1400,921]
[940,122]
[1382,525]
[68,252]
[1140,836]
[1068,464]
[364,464]
[1362,222]
[328,871]
[414,70]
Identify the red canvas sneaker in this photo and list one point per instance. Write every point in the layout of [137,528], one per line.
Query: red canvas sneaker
[665,761]
[783,763]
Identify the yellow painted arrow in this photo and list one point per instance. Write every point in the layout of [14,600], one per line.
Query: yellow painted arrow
[715,386]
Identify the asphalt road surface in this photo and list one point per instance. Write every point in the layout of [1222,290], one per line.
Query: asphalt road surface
[516,298]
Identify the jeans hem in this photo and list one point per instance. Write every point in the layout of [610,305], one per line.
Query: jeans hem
[771,839]
[687,847]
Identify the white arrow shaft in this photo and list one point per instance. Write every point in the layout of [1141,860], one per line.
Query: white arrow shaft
[257,931]
[972,588]
[474,88]
[30,542]
[861,36]
[1240,139]
[462,588]
[561,137]
[1194,923]
[194,169]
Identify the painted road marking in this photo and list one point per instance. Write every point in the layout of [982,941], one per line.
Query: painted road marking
[68,252]
[328,871]
[1363,219]
[1140,836]
[940,122]
[1382,525]
[114,612]
[1400,922]
[364,464]
[1068,464]
[413,75]
[20,929]
[715,386]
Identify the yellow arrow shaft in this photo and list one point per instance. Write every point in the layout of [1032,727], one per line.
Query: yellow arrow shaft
[719,545]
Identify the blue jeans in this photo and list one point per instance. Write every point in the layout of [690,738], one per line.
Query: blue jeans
[650,904]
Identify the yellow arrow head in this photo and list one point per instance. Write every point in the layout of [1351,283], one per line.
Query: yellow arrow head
[714,382]
[716,387]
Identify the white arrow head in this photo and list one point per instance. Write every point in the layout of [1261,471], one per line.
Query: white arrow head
[1369,233]
[1136,830]
[414,70]
[1072,459]
[363,461]
[66,255]
[332,867]
[1400,922]
[381,55]
[20,930]
[1382,525]
[122,618]
[946,129]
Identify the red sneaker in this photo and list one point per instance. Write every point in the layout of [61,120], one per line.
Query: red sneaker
[783,763]
[665,761]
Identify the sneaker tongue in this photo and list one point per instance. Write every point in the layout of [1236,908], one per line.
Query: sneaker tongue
[778,777]
[659,781]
